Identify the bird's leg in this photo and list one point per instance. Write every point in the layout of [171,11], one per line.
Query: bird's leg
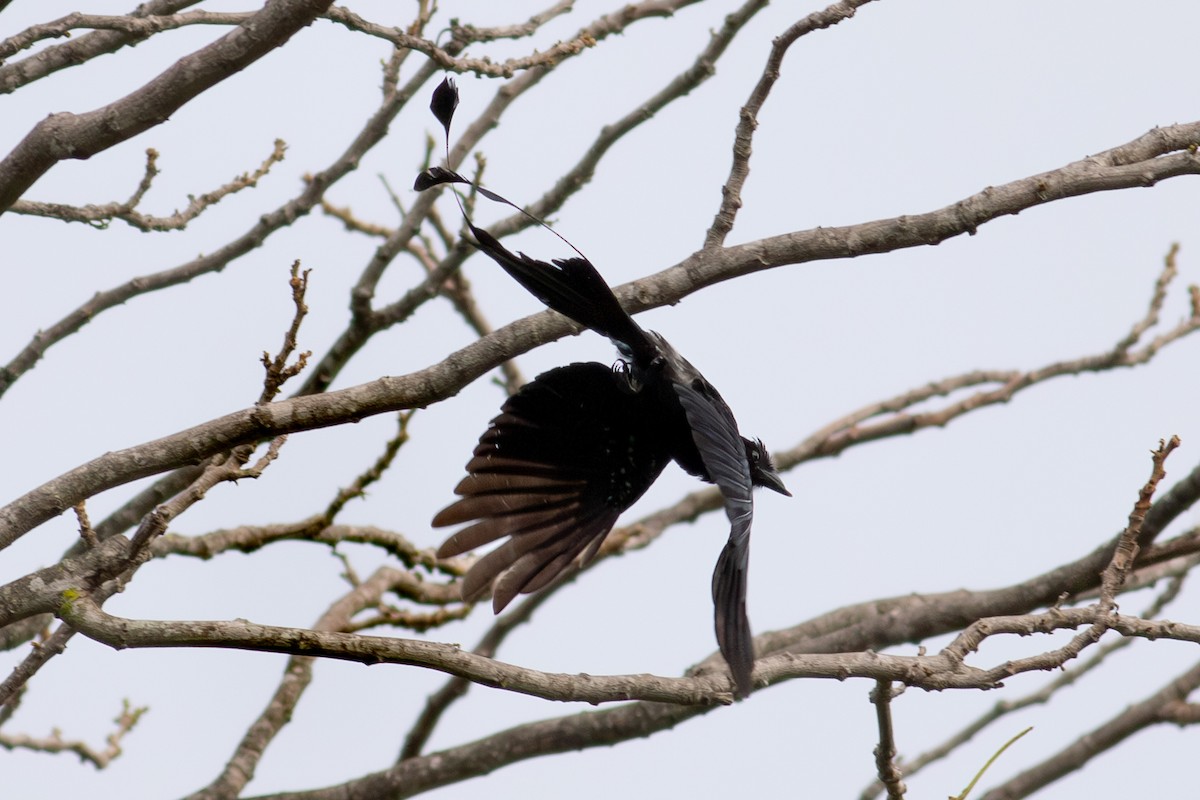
[629,382]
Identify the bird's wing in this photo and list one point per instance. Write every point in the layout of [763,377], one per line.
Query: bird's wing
[724,454]
[568,453]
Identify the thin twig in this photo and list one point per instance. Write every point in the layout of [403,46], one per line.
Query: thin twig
[297,676]
[885,752]
[67,135]
[455,688]
[1004,708]
[278,371]
[731,192]
[358,486]
[1127,548]
[1104,737]
[99,216]
[55,743]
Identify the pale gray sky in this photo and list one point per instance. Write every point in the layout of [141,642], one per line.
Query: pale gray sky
[905,108]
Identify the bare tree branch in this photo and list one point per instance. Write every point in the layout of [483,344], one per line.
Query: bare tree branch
[885,752]
[55,743]
[371,134]
[1127,549]
[881,641]
[850,430]
[66,135]
[563,734]
[456,688]
[731,192]
[99,216]
[1133,719]
[1003,708]
[78,51]
[297,676]
[441,381]
[947,670]
[1157,155]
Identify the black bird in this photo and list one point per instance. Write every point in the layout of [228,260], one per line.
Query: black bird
[578,445]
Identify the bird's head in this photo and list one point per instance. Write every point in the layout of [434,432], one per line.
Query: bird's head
[762,469]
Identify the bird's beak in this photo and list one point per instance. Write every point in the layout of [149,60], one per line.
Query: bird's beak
[772,481]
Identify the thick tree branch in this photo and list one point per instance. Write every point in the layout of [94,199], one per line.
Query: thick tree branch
[66,135]
[368,321]
[856,428]
[562,735]
[420,389]
[573,732]
[1158,155]
[786,666]
[419,591]
[77,51]
[456,688]
[945,670]
[914,618]
[297,676]
[1068,677]
[84,615]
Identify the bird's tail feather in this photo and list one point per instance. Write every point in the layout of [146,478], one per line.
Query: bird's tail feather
[732,624]
[571,286]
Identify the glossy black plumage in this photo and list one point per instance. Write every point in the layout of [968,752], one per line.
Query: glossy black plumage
[568,453]
[578,445]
